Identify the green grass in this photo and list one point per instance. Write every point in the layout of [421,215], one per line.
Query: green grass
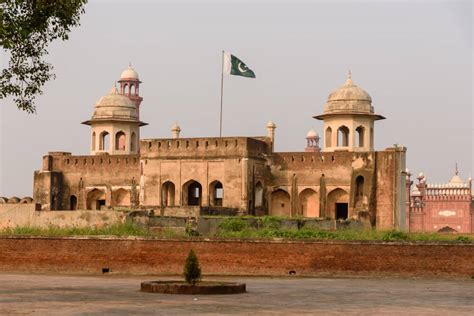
[126,229]
[239,229]
[269,229]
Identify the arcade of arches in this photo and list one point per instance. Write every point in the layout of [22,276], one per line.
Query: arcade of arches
[337,205]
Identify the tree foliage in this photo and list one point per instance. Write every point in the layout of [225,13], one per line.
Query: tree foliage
[27,27]
[192,270]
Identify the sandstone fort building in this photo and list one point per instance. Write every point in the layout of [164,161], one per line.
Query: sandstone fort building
[346,178]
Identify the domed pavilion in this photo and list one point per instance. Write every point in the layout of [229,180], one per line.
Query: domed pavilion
[349,119]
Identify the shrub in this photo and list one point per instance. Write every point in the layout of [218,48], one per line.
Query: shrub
[192,270]
[394,235]
[462,239]
[189,231]
[271,222]
[233,224]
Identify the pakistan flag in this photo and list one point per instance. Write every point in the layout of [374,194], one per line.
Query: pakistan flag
[234,66]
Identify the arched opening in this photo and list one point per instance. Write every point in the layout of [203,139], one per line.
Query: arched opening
[132,89]
[133,142]
[125,89]
[14,200]
[121,197]
[327,139]
[167,194]
[192,193]
[216,191]
[447,229]
[371,137]
[259,194]
[93,140]
[120,141]
[360,134]
[343,136]
[309,202]
[359,191]
[104,141]
[73,202]
[280,205]
[338,204]
[95,199]
[26,200]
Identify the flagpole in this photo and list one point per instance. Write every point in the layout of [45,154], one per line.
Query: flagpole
[222,94]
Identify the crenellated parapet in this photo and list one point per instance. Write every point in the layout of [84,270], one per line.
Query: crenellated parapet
[204,147]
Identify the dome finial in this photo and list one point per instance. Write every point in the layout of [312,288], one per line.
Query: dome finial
[456,171]
[349,78]
[114,88]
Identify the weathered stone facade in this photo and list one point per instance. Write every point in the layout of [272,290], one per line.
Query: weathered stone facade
[346,179]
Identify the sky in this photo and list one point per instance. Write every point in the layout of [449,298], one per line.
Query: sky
[413,57]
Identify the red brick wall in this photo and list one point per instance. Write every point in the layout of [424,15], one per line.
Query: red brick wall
[87,255]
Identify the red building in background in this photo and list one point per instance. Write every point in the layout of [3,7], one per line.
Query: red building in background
[440,207]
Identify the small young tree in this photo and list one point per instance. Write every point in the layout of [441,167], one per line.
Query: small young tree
[192,270]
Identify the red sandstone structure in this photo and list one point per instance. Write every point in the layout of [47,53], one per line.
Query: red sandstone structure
[445,208]
[345,179]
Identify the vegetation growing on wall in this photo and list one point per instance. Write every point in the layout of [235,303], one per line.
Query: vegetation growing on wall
[238,228]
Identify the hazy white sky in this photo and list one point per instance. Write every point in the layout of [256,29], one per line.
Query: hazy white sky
[414,58]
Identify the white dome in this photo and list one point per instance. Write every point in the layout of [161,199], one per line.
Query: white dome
[129,73]
[116,106]
[312,134]
[270,124]
[175,127]
[349,98]
[456,180]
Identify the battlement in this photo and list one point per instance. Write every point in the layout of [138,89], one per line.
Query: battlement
[448,193]
[204,147]
[305,160]
[67,162]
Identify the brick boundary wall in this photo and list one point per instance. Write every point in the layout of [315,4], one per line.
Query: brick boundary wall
[89,255]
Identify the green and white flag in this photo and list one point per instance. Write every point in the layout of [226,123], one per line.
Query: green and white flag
[234,66]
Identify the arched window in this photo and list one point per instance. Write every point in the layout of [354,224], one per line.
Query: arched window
[120,141]
[343,136]
[359,191]
[360,131]
[125,86]
[371,137]
[280,203]
[216,191]
[337,204]
[104,141]
[309,202]
[192,193]
[73,202]
[133,142]
[167,193]
[93,141]
[95,199]
[121,197]
[328,140]
[259,194]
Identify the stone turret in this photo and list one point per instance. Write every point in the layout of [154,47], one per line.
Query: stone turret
[349,119]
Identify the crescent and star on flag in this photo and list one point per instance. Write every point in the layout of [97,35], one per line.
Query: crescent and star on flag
[232,65]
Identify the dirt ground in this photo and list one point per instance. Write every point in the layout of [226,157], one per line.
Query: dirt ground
[26,294]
